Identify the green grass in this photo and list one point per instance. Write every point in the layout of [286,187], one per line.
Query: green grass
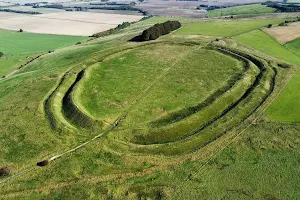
[241,10]
[286,108]
[13,43]
[10,63]
[294,46]
[225,28]
[248,161]
[266,44]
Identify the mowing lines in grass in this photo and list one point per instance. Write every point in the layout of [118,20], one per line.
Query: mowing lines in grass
[261,41]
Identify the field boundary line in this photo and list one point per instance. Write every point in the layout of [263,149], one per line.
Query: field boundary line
[250,123]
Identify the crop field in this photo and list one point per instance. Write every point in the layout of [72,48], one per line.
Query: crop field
[226,28]
[186,116]
[284,34]
[294,46]
[65,23]
[266,44]
[253,9]
[14,43]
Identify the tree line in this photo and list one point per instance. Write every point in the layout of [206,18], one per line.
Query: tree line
[158,30]
[19,11]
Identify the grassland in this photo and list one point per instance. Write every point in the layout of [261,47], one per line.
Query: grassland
[266,44]
[225,28]
[252,9]
[14,43]
[294,46]
[184,125]
[286,108]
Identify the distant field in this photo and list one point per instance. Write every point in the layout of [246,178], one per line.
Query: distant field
[285,34]
[286,107]
[13,43]
[266,44]
[65,23]
[239,10]
[226,28]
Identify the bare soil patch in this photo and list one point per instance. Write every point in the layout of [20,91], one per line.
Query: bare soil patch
[285,34]
[65,23]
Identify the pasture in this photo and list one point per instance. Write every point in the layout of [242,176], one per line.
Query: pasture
[65,23]
[226,28]
[266,44]
[284,34]
[252,9]
[294,46]
[181,117]
[14,43]
[286,107]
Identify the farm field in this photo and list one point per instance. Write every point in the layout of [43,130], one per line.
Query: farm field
[226,28]
[266,44]
[241,10]
[284,34]
[294,46]
[14,43]
[200,113]
[66,23]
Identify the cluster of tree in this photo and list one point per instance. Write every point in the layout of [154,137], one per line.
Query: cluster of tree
[108,3]
[282,7]
[158,30]
[19,11]
[112,30]
[55,6]
[1,54]
[227,6]
[123,7]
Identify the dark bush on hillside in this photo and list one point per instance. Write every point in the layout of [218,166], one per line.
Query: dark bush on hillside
[270,26]
[158,30]
[21,30]
[112,30]
[1,54]
[42,163]
[4,171]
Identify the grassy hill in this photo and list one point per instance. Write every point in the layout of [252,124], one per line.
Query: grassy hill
[186,116]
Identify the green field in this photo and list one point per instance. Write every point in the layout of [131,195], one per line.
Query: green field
[286,107]
[14,43]
[253,9]
[294,46]
[266,44]
[225,28]
[182,117]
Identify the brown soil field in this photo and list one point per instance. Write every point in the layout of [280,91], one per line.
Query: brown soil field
[285,34]
[64,23]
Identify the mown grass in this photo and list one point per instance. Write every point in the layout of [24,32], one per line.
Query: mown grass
[14,43]
[225,28]
[294,46]
[286,108]
[261,41]
[241,10]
